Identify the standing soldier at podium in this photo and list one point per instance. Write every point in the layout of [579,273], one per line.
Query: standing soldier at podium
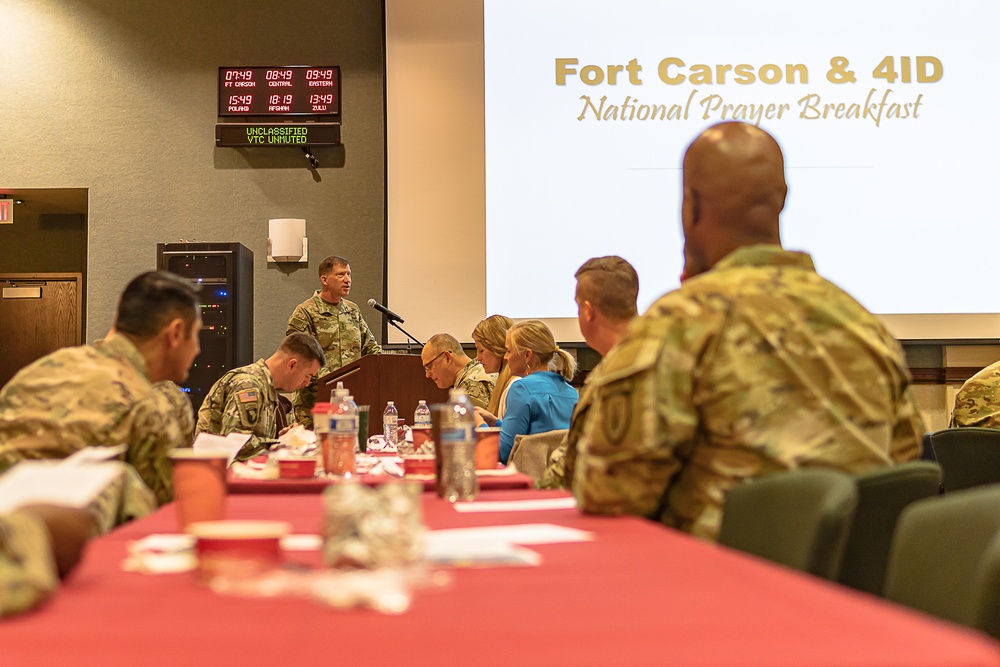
[337,325]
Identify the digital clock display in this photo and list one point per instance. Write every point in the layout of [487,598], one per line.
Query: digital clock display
[295,90]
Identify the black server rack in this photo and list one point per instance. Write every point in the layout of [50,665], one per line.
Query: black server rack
[224,271]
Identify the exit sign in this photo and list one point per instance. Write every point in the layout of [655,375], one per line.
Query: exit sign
[6,211]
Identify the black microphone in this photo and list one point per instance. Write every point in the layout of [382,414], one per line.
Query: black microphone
[385,311]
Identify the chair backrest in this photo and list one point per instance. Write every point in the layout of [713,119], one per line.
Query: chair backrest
[945,558]
[800,519]
[530,453]
[987,601]
[969,456]
[927,449]
[882,495]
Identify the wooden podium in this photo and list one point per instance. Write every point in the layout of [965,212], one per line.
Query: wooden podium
[375,379]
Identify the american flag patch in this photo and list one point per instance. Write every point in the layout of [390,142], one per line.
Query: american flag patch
[249,396]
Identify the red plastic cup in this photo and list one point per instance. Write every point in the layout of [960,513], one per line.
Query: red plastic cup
[199,485]
[487,448]
[237,548]
[297,467]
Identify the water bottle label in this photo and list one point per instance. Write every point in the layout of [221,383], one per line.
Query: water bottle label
[344,424]
[456,435]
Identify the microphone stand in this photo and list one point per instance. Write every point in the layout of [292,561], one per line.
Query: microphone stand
[406,333]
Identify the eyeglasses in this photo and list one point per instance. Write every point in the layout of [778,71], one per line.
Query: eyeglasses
[427,366]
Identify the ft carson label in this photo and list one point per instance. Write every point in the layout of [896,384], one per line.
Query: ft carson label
[229,135]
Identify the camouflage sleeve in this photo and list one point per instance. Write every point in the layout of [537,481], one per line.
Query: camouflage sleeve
[181,405]
[554,476]
[368,343]
[300,321]
[27,570]
[154,433]
[908,431]
[243,411]
[478,392]
[126,497]
[642,419]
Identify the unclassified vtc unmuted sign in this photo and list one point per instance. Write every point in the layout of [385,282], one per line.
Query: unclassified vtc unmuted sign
[277,134]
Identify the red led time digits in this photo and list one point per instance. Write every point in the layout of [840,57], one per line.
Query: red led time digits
[291,90]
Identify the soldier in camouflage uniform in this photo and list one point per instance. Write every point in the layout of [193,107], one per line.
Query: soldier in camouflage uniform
[245,400]
[38,545]
[336,323]
[607,289]
[755,365]
[104,395]
[977,403]
[446,363]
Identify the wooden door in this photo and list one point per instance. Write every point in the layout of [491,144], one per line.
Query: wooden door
[39,313]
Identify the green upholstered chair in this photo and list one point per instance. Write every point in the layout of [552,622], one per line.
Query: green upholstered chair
[800,519]
[969,456]
[882,495]
[945,558]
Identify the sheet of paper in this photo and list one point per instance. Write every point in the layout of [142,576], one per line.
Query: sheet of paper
[518,505]
[55,483]
[94,455]
[490,553]
[498,472]
[523,534]
[230,444]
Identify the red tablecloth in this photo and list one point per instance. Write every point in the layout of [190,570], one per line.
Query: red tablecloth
[639,594]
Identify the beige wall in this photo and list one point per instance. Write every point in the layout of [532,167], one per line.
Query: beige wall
[435,151]
[119,97]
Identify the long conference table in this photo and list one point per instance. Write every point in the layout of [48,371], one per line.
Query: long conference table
[638,594]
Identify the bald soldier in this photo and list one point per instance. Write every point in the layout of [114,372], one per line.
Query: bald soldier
[245,400]
[607,289]
[336,323]
[105,395]
[446,363]
[755,365]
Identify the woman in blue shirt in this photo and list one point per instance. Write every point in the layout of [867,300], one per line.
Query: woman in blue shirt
[542,400]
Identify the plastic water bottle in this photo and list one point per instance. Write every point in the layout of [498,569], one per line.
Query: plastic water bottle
[390,425]
[422,415]
[339,445]
[457,481]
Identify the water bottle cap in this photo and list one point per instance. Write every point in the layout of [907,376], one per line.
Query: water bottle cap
[423,402]
[389,403]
